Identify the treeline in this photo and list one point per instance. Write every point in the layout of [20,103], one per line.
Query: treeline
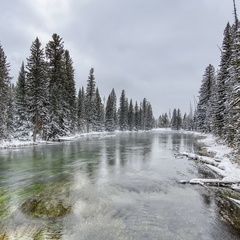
[218,108]
[176,121]
[44,103]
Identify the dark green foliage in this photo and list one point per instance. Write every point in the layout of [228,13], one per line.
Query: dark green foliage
[37,90]
[205,104]
[99,113]
[131,116]
[90,101]
[111,112]
[59,112]
[70,96]
[163,121]
[176,121]
[136,117]
[123,112]
[81,122]
[5,93]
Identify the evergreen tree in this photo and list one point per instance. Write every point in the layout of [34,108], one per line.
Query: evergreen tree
[174,120]
[136,117]
[205,104]
[123,112]
[220,107]
[22,127]
[81,118]
[37,90]
[111,112]
[179,119]
[58,107]
[70,96]
[5,89]
[131,116]
[144,114]
[99,108]
[234,103]
[90,108]
[149,118]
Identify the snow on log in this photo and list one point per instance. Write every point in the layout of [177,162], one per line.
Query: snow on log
[234,200]
[213,182]
[190,155]
[217,170]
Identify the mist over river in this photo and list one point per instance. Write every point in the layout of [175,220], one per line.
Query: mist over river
[118,187]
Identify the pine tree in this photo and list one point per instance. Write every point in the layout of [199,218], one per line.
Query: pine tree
[111,112]
[123,112]
[174,120]
[149,118]
[58,106]
[81,118]
[99,108]
[131,116]
[136,117]
[70,96]
[220,107]
[5,89]
[22,127]
[179,119]
[37,90]
[90,108]
[234,102]
[205,104]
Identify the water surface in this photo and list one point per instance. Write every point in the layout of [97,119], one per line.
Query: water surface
[122,187]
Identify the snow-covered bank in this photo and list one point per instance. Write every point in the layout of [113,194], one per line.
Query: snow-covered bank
[223,163]
[15,143]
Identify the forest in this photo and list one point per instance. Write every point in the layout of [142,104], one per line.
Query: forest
[44,104]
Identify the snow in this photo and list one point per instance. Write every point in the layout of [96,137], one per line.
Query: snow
[222,163]
[15,143]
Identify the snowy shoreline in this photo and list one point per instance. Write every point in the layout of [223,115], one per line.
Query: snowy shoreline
[223,162]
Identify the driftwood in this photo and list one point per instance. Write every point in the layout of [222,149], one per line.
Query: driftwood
[210,182]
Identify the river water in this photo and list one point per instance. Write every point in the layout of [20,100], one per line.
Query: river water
[119,187]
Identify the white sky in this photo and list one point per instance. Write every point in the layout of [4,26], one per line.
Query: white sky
[156,49]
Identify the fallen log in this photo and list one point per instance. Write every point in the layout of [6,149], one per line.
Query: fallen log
[210,182]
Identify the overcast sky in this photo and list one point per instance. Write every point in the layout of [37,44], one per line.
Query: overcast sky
[156,49]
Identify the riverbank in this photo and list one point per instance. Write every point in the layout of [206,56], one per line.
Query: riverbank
[220,158]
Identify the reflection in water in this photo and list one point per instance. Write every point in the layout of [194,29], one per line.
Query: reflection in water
[117,188]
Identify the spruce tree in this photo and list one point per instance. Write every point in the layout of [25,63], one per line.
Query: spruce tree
[5,89]
[136,117]
[220,107]
[131,116]
[149,118]
[174,120]
[90,108]
[99,115]
[205,104]
[22,127]
[81,118]
[234,108]
[111,112]
[70,96]
[59,124]
[37,90]
[123,112]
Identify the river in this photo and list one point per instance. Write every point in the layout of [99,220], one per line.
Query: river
[119,187]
